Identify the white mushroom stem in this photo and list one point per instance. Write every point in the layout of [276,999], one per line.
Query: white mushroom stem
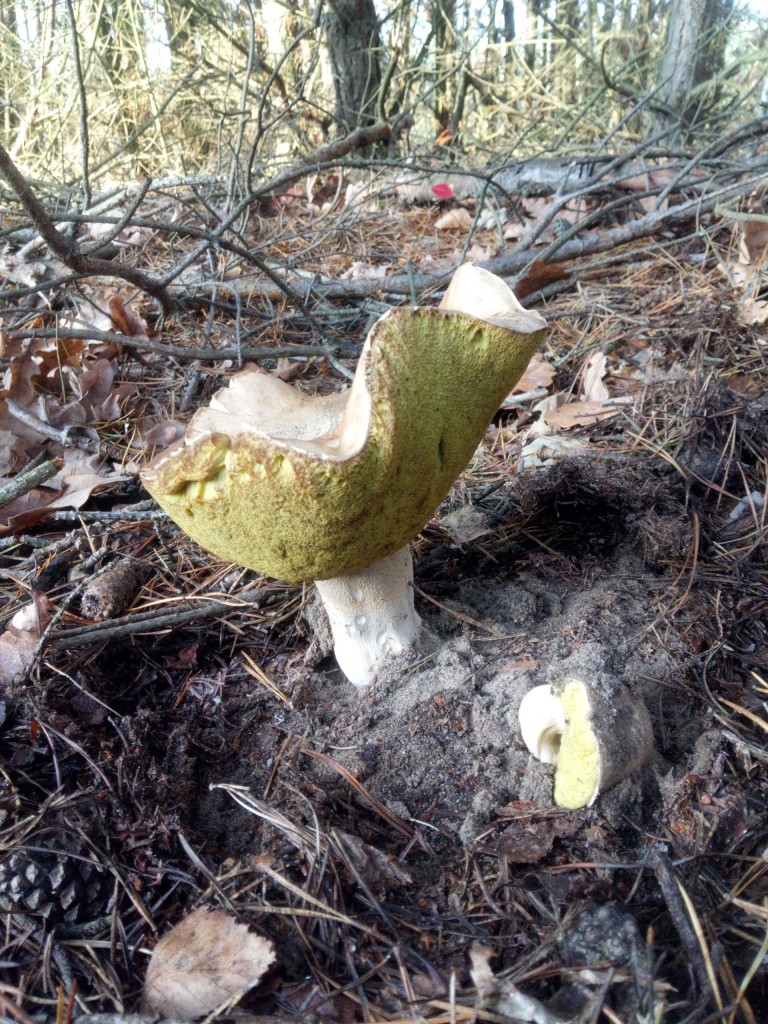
[372,615]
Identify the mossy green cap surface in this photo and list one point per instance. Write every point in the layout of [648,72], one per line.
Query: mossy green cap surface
[433,380]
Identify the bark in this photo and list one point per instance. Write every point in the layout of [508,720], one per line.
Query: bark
[443,22]
[508,12]
[352,35]
[693,55]
[9,42]
[534,10]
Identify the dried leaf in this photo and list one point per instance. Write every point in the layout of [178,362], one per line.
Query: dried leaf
[365,271]
[752,312]
[501,996]
[207,959]
[538,374]
[125,319]
[584,414]
[81,475]
[465,525]
[755,239]
[130,235]
[477,253]
[526,842]
[513,231]
[288,369]
[19,641]
[592,373]
[371,864]
[28,273]
[163,433]
[538,276]
[454,220]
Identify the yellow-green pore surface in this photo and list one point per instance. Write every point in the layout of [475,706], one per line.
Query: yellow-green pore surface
[436,379]
[578,763]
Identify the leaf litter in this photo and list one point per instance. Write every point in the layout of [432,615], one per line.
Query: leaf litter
[399,848]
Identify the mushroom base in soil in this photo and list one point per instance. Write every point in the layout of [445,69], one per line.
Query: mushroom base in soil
[372,615]
[333,488]
[595,737]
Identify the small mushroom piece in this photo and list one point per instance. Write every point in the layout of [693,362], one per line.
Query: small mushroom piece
[334,488]
[595,737]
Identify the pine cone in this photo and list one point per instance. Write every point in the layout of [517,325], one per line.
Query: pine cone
[62,886]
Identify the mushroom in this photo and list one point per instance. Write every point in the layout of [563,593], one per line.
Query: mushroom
[594,735]
[333,488]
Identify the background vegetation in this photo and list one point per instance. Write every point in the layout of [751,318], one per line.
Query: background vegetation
[214,86]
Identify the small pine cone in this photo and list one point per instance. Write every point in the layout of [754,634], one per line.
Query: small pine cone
[111,593]
[58,885]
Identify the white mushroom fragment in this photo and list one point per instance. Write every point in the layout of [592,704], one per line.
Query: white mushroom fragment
[334,488]
[594,736]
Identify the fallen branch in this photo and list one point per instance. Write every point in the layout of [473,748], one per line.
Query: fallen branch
[24,482]
[571,245]
[68,250]
[343,350]
[147,622]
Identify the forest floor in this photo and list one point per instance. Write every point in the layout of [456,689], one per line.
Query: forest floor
[175,734]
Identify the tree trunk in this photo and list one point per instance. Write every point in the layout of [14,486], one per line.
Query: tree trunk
[443,31]
[532,32]
[693,54]
[352,34]
[508,12]
[9,41]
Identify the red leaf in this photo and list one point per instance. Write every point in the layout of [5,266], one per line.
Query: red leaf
[443,191]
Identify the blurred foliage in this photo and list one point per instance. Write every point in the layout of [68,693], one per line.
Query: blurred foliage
[236,88]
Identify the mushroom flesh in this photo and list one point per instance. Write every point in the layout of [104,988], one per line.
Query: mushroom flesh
[595,736]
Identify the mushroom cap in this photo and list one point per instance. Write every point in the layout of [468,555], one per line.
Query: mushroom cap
[305,488]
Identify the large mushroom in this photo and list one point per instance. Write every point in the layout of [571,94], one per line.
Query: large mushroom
[333,488]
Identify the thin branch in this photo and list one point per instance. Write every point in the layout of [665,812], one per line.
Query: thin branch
[346,350]
[24,482]
[112,234]
[84,137]
[67,251]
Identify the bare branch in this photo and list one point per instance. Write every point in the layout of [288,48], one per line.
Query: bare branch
[67,251]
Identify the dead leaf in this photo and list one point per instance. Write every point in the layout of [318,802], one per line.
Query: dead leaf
[538,276]
[206,960]
[526,842]
[163,433]
[28,273]
[288,369]
[365,271]
[378,870]
[501,996]
[81,475]
[538,374]
[130,235]
[125,318]
[454,220]
[592,373]
[752,312]
[479,253]
[754,232]
[465,525]
[584,414]
[513,231]
[19,641]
